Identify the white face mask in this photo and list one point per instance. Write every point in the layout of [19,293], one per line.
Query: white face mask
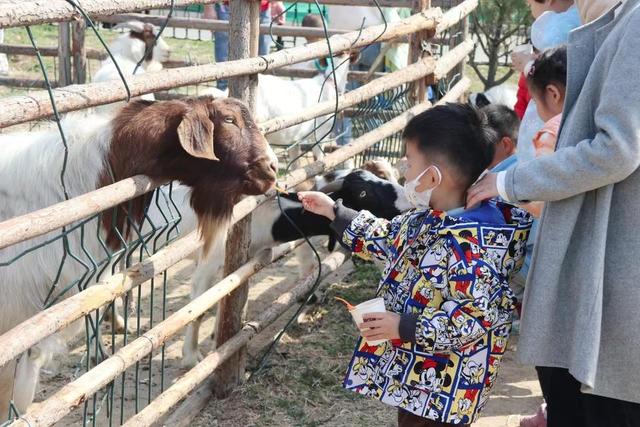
[420,200]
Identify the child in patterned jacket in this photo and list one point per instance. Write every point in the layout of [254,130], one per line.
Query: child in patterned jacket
[445,282]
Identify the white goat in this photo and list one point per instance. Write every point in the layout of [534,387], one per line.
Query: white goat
[128,50]
[505,94]
[211,145]
[279,96]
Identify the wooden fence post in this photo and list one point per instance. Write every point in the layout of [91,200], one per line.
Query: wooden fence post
[79,51]
[64,54]
[243,42]
[461,69]
[415,51]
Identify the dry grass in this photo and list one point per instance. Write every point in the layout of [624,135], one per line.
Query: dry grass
[302,383]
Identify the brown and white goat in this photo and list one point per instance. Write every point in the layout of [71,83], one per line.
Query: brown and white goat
[212,146]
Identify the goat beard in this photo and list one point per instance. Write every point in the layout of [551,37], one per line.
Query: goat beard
[210,228]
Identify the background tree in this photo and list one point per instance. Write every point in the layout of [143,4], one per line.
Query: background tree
[498,25]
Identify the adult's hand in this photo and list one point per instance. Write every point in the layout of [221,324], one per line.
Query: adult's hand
[484,189]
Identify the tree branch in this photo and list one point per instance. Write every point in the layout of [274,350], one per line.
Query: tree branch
[504,78]
[477,71]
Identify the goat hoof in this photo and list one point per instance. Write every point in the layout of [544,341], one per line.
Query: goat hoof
[189,361]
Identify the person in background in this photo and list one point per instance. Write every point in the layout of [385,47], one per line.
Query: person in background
[505,122]
[220,11]
[278,14]
[312,20]
[550,29]
[524,54]
[554,21]
[523,96]
[278,17]
[547,80]
[580,317]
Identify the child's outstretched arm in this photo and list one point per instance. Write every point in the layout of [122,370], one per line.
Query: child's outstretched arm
[360,232]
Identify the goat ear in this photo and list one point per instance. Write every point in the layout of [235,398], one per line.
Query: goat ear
[195,134]
[135,26]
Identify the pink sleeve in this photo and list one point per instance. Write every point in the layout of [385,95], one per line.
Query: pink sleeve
[545,140]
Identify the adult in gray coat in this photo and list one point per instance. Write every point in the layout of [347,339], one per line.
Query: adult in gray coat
[581,315]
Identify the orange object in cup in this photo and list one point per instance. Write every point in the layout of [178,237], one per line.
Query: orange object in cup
[346,303]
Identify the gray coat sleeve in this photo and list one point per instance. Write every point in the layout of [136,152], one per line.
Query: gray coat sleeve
[611,156]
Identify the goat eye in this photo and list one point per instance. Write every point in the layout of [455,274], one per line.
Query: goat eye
[229,119]
[363,193]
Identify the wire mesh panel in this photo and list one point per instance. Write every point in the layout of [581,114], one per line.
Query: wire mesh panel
[376,111]
[85,253]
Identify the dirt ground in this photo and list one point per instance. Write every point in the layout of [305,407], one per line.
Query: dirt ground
[301,386]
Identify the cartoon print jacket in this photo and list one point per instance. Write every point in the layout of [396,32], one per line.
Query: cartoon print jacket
[450,276]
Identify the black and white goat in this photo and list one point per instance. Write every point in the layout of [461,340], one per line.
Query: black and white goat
[212,146]
[271,226]
[505,94]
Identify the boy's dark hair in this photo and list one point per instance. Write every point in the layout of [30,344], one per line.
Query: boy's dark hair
[457,133]
[503,120]
[312,20]
[549,68]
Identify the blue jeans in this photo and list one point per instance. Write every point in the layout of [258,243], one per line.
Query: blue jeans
[221,39]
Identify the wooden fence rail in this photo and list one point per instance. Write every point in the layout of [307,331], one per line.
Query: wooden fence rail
[20,109]
[218,25]
[64,213]
[17,13]
[55,318]
[155,411]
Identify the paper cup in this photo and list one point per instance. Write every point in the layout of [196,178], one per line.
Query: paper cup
[375,305]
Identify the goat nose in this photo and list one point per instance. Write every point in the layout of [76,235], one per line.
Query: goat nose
[274,166]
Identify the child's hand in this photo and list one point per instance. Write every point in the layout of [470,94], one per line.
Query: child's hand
[380,326]
[318,203]
[534,208]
